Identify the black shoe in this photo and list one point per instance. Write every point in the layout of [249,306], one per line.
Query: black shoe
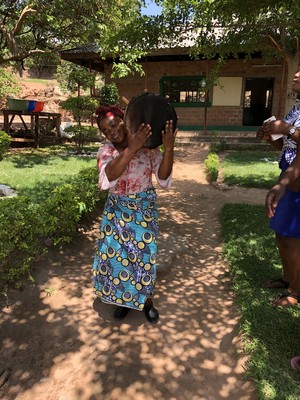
[151,313]
[120,313]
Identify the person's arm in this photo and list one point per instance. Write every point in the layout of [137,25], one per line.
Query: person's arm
[136,141]
[277,191]
[263,135]
[168,136]
[282,127]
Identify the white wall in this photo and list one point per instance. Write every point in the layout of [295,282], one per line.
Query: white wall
[229,92]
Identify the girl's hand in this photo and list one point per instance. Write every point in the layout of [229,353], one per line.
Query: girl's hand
[138,139]
[273,197]
[168,136]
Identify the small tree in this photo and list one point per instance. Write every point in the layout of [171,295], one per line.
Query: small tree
[81,135]
[81,107]
[109,94]
[4,144]
[73,77]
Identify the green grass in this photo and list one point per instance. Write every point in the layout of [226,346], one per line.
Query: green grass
[256,169]
[35,173]
[271,335]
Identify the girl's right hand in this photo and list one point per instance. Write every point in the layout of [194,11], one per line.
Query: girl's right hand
[138,139]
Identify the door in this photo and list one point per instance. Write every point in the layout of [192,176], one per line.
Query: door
[258,97]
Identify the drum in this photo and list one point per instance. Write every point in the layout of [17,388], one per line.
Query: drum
[152,109]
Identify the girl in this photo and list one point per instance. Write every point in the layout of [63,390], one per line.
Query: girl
[124,265]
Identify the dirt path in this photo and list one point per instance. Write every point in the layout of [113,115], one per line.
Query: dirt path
[62,344]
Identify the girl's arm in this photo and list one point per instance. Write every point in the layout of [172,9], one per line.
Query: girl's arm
[136,141]
[166,165]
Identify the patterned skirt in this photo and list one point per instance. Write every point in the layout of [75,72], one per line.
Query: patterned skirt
[124,270]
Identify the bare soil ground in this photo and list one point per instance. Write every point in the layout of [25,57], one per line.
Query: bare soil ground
[60,343]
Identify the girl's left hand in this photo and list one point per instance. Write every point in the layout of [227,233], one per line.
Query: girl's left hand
[168,136]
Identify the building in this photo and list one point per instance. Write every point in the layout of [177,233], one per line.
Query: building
[248,90]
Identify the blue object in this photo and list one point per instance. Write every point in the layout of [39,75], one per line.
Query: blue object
[31,105]
[286,221]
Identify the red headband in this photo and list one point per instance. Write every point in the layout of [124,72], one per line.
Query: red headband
[108,111]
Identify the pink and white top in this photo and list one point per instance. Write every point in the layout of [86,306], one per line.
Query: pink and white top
[138,175]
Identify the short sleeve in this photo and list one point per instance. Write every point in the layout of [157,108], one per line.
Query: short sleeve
[156,159]
[105,155]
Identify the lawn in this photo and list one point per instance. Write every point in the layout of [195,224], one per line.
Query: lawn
[256,169]
[270,335]
[35,173]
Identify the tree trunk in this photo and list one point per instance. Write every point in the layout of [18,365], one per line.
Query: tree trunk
[292,66]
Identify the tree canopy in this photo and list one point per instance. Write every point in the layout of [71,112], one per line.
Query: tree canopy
[32,26]
[212,28]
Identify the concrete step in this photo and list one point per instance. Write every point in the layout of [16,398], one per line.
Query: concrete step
[231,140]
[210,139]
[217,134]
[226,146]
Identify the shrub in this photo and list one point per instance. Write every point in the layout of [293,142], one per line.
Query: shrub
[109,94]
[20,229]
[82,107]
[82,135]
[212,166]
[88,191]
[68,203]
[24,227]
[4,143]
[63,213]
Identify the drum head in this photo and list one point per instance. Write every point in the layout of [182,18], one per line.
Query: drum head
[152,109]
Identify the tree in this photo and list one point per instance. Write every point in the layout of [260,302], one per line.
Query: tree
[8,84]
[228,27]
[42,62]
[73,77]
[32,26]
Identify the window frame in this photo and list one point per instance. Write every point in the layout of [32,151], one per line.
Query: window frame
[185,78]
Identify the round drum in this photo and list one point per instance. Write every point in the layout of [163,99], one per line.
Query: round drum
[152,109]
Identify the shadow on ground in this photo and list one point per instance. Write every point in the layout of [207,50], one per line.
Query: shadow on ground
[61,343]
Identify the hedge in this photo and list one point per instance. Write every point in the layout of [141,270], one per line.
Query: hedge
[25,228]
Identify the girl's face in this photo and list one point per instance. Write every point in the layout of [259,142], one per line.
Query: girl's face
[113,129]
[296,83]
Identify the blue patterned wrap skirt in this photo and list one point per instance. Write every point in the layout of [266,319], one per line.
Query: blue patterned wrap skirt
[286,221]
[124,270]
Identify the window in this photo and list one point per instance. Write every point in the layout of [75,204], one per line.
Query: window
[185,91]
